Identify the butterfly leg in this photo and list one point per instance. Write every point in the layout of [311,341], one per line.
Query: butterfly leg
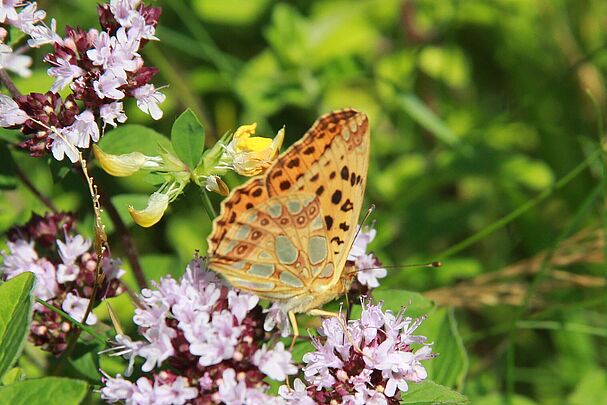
[295,327]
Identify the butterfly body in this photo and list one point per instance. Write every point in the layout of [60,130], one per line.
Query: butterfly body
[285,235]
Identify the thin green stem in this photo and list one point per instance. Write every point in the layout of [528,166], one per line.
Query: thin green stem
[73,321]
[505,220]
[208,206]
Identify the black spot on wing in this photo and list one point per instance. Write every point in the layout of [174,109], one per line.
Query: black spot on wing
[336,197]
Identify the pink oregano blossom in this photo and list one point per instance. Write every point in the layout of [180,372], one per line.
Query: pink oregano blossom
[101,68]
[208,335]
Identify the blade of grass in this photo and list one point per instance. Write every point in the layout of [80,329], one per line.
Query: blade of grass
[206,43]
[570,227]
[505,220]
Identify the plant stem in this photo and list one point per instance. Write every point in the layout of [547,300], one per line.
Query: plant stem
[505,220]
[32,188]
[73,321]
[127,240]
[208,206]
[8,83]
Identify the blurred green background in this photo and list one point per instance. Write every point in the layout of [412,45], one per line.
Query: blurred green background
[476,108]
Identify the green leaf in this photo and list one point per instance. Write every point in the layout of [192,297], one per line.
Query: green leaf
[429,392]
[134,138]
[44,391]
[425,117]
[394,300]
[85,361]
[451,365]
[15,318]
[13,375]
[187,137]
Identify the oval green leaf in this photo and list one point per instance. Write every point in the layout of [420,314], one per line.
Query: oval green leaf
[187,137]
[15,318]
[134,138]
[429,392]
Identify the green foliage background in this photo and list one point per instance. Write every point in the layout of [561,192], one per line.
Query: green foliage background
[476,107]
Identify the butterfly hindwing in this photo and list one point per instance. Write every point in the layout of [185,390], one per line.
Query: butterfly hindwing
[277,249]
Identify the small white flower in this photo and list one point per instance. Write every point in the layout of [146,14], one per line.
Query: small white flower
[76,308]
[241,304]
[110,113]
[42,35]
[368,270]
[63,144]
[107,86]
[84,129]
[117,389]
[276,317]
[64,73]
[148,99]
[10,113]
[7,10]
[102,51]
[67,273]
[73,248]
[364,237]
[19,64]
[275,363]
[28,17]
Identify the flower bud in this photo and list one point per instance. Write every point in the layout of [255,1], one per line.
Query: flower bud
[124,165]
[151,214]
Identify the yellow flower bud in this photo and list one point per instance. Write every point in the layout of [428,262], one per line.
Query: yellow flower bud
[215,184]
[123,165]
[151,214]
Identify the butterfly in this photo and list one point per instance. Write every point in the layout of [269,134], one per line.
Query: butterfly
[285,235]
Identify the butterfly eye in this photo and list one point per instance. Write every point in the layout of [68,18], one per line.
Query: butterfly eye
[255,235]
[284,221]
[241,249]
[301,220]
[265,221]
[312,211]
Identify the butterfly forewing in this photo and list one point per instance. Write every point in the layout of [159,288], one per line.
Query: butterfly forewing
[324,171]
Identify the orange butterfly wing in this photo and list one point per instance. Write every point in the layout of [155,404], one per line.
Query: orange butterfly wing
[320,182]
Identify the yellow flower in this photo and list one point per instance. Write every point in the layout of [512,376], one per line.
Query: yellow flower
[127,164]
[151,214]
[250,155]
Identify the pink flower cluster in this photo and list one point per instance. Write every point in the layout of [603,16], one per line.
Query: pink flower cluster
[371,361]
[101,67]
[206,333]
[65,266]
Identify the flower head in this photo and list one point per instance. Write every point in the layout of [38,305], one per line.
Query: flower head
[65,267]
[207,333]
[370,361]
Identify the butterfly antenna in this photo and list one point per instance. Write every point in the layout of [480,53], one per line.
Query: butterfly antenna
[367,215]
[404,266]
